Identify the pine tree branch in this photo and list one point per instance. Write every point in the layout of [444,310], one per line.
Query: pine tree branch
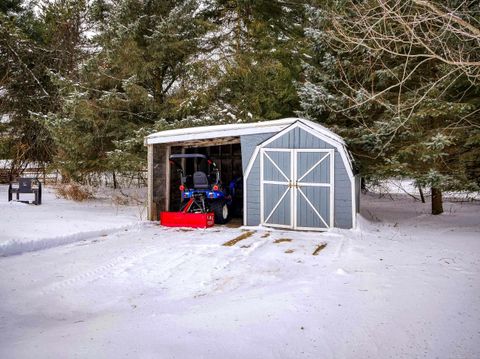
[30,71]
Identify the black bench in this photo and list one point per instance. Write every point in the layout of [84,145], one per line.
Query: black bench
[26,185]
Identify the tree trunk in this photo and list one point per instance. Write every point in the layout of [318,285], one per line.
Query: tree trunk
[437,203]
[421,194]
[363,185]
[64,177]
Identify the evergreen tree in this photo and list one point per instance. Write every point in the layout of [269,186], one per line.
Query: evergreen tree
[260,62]
[25,87]
[401,81]
[36,47]
[137,78]
[172,64]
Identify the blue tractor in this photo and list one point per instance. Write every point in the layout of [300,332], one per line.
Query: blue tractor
[202,191]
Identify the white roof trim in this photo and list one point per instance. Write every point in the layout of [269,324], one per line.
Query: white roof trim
[241,129]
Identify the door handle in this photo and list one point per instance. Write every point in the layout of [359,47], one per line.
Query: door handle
[293,184]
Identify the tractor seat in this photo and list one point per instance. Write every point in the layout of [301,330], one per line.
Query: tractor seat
[200,180]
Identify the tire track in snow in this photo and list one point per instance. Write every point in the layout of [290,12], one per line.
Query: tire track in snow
[99,272]
[221,283]
[171,258]
[172,262]
[18,246]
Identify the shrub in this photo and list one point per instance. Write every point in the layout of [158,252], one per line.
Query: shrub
[74,191]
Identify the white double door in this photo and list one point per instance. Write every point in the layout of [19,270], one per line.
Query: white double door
[296,188]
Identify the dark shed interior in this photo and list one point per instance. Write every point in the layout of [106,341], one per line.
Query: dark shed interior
[227,157]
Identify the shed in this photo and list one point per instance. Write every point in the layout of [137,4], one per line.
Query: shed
[296,173]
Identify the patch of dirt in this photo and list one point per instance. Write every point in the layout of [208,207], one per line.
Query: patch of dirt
[280,240]
[241,237]
[266,234]
[319,248]
[185,229]
[234,223]
[288,251]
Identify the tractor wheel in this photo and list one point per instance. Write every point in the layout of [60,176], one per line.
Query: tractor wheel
[221,212]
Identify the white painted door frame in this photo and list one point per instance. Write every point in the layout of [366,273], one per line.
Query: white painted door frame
[294,183]
[287,182]
[329,154]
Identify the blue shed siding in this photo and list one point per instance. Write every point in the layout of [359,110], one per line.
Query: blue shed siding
[253,195]
[342,195]
[249,143]
[252,192]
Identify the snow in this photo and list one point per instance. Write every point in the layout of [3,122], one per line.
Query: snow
[402,285]
[5,164]
[4,118]
[57,221]
[408,186]
[206,132]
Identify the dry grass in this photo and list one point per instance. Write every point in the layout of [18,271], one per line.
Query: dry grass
[319,248]
[241,237]
[288,251]
[281,240]
[120,200]
[266,234]
[74,191]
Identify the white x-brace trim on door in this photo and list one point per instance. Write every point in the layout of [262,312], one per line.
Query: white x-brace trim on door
[287,182]
[294,186]
[329,153]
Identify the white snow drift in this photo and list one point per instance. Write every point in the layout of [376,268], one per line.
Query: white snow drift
[403,285]
[57,221]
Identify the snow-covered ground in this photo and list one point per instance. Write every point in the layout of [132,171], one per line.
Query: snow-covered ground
[58,221]
[404,285]
[408,187]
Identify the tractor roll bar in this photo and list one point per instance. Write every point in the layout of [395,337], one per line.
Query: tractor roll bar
[192,155]
[179,156]
[188,155]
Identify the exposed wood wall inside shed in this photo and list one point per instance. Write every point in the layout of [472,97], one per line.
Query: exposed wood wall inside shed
[158,180]
[150,209]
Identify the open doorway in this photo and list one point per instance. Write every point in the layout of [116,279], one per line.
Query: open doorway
[228,160]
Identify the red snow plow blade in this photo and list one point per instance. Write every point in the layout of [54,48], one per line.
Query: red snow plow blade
[180,219]
[185,219]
